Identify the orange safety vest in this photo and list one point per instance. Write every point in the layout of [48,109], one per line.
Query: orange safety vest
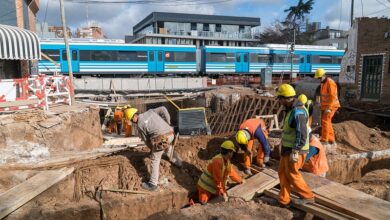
[118,115]
[328,93]
[318,163]
[252,124]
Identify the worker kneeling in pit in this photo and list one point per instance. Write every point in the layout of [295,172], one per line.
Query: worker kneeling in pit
[155,130]
[250,130]
[315,161]
[213,180]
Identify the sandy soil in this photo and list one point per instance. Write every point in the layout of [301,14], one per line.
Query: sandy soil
[353,136]
[376,183]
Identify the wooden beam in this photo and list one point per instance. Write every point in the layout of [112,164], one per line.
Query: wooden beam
[24,192]
[249,108]
[254,185]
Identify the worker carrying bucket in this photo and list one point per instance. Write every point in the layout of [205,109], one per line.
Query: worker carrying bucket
[155,130]
[213,180]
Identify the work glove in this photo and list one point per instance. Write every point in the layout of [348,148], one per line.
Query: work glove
[294,156]
[327,111]
[225,197]
[266,159]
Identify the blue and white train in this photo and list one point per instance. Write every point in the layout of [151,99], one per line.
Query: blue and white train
[106,59]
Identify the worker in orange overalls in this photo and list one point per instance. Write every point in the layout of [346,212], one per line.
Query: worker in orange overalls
[127,124]
[295,146]
[118,117]
[213,180]
[250,130]
[315,161]
[329,105]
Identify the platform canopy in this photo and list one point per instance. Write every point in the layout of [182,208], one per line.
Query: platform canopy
[18,44]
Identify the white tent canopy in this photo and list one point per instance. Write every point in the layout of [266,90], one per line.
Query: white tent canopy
[18,44]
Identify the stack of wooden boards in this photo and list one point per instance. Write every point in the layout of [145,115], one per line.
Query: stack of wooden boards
[332,200]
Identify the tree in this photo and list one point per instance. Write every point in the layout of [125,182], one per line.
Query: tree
[296,14]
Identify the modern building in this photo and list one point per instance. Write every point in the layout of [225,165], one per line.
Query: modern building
[93,31]
[365,70]
[194,29]
[18,19]
[330,37]
[45,31]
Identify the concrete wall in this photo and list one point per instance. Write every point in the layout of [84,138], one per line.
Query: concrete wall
[139,84]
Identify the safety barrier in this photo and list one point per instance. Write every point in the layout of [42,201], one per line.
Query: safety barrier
[35,92]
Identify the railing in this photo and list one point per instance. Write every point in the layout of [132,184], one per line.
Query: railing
[222,35]
[35,92]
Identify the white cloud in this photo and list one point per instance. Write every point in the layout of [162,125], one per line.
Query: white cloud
[371,8]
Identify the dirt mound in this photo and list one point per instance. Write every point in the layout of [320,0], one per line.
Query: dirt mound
[230,210]
[376,183]
[353,136]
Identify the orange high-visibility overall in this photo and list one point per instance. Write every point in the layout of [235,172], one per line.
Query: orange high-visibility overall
[330,102]
[219,170]
[318,163]
[251,125]
[118,116]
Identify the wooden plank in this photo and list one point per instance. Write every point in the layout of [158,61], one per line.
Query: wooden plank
[249,109]
[257,106]
[19,103]
[239,104]
[24,192]
[315,209]
[257,183]
[222,126]
[348,199]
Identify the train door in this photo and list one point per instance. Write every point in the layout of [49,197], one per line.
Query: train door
[242,62]
[308,63]
[74,59]
[305,63]
[156,61]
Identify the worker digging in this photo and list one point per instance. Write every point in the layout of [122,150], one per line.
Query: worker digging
[155,130]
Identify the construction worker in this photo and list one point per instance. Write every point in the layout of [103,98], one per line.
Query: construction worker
[315,161]
[295,146]
[213,180]
[155,130]
[329,105]
[308,105]
[250,130]
[127,124]
[118,116]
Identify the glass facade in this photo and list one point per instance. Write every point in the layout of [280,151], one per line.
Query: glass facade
[8,12]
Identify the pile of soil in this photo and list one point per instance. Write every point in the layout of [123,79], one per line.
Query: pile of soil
[376,183]
[353,136]
[230,210]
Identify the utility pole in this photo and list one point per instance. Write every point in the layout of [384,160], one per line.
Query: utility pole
[65,32]
[352,6]
[292,48]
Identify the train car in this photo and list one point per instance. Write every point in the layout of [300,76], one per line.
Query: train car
[113,58]
[306,58]
[234,60]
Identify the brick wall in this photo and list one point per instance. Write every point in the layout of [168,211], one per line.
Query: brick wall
[371,41]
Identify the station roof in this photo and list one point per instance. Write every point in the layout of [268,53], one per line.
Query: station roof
[195,18]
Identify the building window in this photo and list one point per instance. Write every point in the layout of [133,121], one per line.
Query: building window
[206,27]
[241,29]
[193,26]
[218,28]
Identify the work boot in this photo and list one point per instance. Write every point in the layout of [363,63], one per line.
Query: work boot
[285,206]
[248,171]
[148,186]
[303,201]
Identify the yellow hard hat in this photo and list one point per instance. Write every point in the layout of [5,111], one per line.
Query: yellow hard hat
[302,98]
[241,137]
[286,90]
[118,108]
[126,106]
[319,73]
[228,145]
[129,113]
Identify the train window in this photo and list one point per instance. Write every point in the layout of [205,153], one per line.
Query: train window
[337,60]
[245,57]
[64,57]
[151,56]
[131,56]
[302,59]
[104,55]
[325,59]
[52,54]
[238,57]
[159,57]
[216,57]
[230,57]
[180,56]
[85,55]
[74,55]
[260,58]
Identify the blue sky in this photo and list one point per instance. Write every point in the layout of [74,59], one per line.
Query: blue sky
[118,19]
